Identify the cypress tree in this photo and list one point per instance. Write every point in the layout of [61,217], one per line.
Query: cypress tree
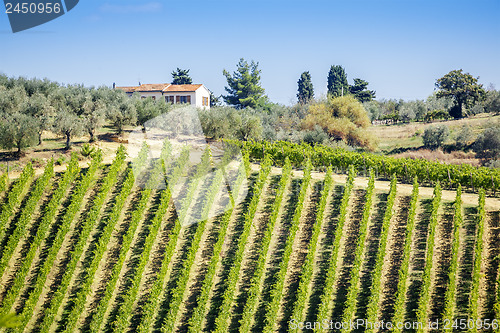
[305,90]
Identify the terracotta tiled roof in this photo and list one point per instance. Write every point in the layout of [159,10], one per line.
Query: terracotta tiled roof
[152,87]
[182,87]
[127,89]
[165,87]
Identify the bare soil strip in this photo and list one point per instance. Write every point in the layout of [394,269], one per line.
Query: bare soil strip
[324,251]
[371,250]
[252,254]
[492,256]
[227,256]
[348,250]
[299,253]
[442,260]
[466,262]
[395,244]
[277,244]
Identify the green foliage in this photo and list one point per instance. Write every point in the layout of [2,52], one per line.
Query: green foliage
[353,290]
[405,168]
[492,102]
[412,110]
[147,109]
[215,100]
[87,226]
[9,321]
[337,81]
[343,119]
[181,76]
[14,197]
[463,88]
[360,91]
[328,287]
[487,144]
[399,308]
[464,137]
[121,113]
[86,182]
[4,182]
[196,319]
[308,266]
[19,118]
[376,274]
[231,281]
[87,150]
[168,324]
[315,136]
[94,112]
[18,130]
[27,211]
[60,160]
[227,122]
[478,259]
[450,297]
[436,115]
[243,86]
[49,214]
[277,289]
[305,89]
[435,136]
[425,291]
[102,246]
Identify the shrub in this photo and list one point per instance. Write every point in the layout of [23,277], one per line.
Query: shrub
[60,160]
[464,137]
[87,150]
[343,119]
[487,145]
[492,103]
[435,136]
[435,115]
[315,136]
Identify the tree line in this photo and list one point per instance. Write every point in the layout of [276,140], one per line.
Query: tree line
[28,107]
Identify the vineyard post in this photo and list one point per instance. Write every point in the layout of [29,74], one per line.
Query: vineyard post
[493,185]
[449,178]
[341,165]
[472,182]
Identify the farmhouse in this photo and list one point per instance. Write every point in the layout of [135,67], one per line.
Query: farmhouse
[194,94]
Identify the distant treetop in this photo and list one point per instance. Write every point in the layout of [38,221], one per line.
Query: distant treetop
[181,76]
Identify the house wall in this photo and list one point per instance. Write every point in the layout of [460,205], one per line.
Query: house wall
[200,93]
[192,94]
[196,96]
[156,94]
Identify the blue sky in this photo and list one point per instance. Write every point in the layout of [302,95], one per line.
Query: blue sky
[401,47]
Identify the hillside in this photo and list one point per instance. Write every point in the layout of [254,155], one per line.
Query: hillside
[96,248]
[405,140]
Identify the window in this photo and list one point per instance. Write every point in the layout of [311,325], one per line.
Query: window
[183,99]
[153,97]
[169,99]
[204,101]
